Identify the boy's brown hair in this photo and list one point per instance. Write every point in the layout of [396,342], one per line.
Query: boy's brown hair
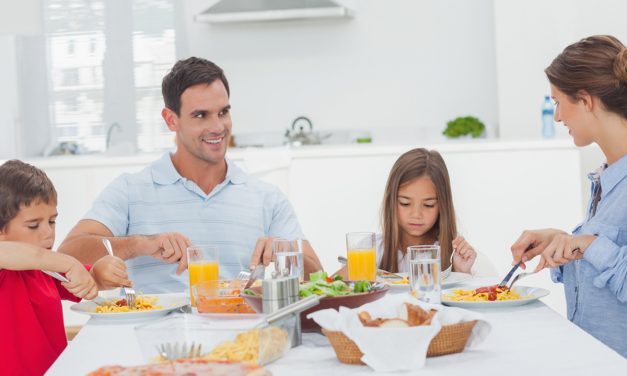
[22,184]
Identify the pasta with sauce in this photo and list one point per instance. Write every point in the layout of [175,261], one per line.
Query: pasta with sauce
[142,303]
[483,294]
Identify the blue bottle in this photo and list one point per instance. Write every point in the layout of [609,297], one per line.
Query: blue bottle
[548,126]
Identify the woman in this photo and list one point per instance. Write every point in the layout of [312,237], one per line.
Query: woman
[589,86]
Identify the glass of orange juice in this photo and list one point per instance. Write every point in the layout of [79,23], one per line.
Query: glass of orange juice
[362,257]
[202,264]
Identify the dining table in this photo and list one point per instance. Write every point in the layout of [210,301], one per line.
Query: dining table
[530,339]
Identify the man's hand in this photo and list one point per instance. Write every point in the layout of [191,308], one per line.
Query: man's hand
[262,254]
[81,284]
[170,247]
[110,272]
[563,249]
[464,256]
[532,243]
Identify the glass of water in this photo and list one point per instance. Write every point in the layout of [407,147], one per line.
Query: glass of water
[288,257]
[424,272]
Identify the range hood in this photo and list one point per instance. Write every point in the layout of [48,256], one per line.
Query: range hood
[271,10]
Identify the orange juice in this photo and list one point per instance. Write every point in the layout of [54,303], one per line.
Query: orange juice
[362,264]
[201,272]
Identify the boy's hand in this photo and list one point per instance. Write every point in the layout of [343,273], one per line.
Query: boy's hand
[110,272]
[81,284]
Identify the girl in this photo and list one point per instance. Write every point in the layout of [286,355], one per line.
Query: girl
[418,210]
[589,86]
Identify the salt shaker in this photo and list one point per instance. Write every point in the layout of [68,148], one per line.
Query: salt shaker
[278,293]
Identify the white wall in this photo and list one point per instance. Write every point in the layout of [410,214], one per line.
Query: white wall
[529,34]
[8,98]
[398,63]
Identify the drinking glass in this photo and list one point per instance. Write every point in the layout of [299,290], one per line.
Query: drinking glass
[424,272]
[361,255]
[288,258]
[202,264]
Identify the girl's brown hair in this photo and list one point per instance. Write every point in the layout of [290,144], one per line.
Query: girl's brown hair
[598,65]
[409,167]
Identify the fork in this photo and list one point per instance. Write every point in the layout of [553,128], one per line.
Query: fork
[169,351]
[128,292]
[242,277]
[519,276]
[446,272]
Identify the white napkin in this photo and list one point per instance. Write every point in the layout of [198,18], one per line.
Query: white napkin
[396,349]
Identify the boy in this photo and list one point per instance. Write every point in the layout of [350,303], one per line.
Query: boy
[31,318]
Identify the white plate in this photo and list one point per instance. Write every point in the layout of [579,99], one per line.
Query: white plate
[169,302]
[532,293]
[452,279]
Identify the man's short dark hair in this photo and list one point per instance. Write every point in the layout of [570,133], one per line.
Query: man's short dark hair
[22,184]
[186,73]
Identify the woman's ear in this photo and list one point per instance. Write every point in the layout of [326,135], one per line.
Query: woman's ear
[586,99]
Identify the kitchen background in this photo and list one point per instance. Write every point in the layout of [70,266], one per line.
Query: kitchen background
[88,73]
[398,68]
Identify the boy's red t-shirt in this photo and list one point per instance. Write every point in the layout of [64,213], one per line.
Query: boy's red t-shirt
[32,334]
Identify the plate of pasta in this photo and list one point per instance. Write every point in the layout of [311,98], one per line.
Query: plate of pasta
[492,296]
[146,306]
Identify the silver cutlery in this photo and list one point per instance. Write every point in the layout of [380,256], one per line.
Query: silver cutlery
[519,276]
[173,351]
[98,300]
[256,273]
[509,275]
[128,292]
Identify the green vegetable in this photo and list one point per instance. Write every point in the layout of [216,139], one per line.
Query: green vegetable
[338,278]
[462,126]
[317,276]
[361,286]
[249,292]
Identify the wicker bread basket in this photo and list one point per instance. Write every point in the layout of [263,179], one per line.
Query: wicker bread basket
[451,339]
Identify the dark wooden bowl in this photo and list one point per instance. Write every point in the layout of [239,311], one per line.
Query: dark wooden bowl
[308,325]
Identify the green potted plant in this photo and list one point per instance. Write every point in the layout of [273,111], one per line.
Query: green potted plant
[462,126]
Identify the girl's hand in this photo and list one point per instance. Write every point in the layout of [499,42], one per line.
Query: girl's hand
[81,284]
[110,272]
[563,249]
[464,256]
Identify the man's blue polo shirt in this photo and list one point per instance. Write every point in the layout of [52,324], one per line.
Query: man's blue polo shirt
[158,199]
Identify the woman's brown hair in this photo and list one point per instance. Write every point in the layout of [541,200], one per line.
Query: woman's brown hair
[598,65]
[409,167]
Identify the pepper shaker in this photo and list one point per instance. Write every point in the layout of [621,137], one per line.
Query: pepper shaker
[278,293]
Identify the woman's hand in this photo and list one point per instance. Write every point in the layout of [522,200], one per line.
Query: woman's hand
[563,249]
[532,243]
[110,272]
[464,256]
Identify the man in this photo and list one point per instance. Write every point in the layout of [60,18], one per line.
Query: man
[194,196]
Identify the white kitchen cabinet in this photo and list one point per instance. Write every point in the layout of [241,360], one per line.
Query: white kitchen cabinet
[499,189]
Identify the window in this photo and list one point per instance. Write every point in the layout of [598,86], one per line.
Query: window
[80,77]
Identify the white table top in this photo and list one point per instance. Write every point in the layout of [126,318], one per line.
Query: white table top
[526,340]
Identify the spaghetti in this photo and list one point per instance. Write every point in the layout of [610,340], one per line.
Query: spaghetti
[142,303]
[483,294]
[258,346]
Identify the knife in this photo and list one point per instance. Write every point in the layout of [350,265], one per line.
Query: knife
[98,300]
[509,275]
[256,273]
